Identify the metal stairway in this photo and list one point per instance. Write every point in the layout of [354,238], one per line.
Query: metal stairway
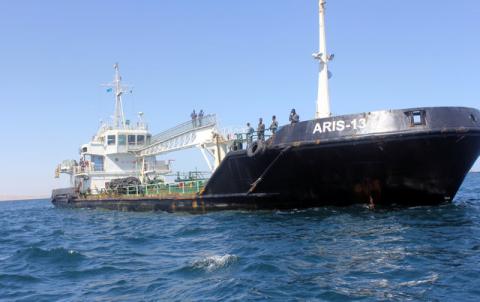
[194,133]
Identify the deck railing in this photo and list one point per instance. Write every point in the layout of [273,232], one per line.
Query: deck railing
[244,140]
[207,120]
[163,189]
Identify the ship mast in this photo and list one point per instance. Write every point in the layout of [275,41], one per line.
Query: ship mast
[323,97]
[118,115]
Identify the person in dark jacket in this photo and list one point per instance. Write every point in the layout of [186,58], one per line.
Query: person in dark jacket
[294,117]
[250,132]
[200,117]
[194,118]
[261,130]
[274,125]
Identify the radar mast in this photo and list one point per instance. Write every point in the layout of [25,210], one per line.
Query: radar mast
[118,116]
[323,97]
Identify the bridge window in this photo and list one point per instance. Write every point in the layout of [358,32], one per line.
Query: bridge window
[111,140]
[122,139]
[140,139]
[97,162]
[131,140]
[149,139]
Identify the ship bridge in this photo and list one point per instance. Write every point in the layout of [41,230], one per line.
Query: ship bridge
[121,149]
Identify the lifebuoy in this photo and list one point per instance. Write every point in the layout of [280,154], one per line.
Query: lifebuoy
[256,148]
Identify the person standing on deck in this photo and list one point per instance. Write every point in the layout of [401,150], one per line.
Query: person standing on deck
[294,117]
[261,130]
[194,118]
[200,117]
[250,132]
[274,125]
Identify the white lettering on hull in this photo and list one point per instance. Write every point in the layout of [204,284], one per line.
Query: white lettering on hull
[340,125]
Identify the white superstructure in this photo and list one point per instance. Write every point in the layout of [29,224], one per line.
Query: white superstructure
[123,149]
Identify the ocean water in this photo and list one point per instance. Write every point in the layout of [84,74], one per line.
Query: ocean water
[324,254]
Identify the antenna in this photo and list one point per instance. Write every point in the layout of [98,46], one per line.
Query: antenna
[323,97]
[118,116]
[140,119]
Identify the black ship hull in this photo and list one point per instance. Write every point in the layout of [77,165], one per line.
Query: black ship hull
[398,157]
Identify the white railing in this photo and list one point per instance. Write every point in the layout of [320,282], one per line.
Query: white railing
[137,126]
[158,167]
[206,121]
[230,133]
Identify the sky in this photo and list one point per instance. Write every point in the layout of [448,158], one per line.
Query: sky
[239,59]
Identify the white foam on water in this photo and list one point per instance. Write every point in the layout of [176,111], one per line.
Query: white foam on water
[211,263]
[431,279]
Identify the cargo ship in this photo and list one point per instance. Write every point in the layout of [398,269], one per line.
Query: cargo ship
[402,157]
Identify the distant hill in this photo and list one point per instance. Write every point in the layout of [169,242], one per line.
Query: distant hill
[20,197]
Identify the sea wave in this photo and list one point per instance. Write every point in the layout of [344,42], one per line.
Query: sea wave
[54,255]
[212,263]
[18,278]
[429,280]
[419,254]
